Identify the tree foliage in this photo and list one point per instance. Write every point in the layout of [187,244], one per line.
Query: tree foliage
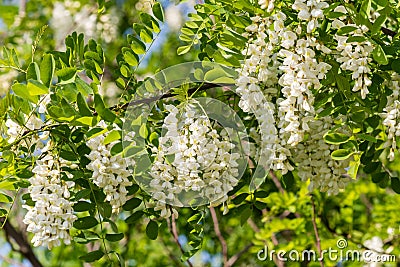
[260,124]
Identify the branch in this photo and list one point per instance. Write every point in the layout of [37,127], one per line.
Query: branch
[24,247]
[219,235]
[203,87]
[175,235]
[388,32]
[318,240]
[235,257]
[276,182]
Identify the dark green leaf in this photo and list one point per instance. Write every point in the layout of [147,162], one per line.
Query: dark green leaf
[152,230]
[132,204]
[85,223]
[105,209]
[158,11]
[92,256]
[83,206]
[134,217]
[395,184]
[114,237]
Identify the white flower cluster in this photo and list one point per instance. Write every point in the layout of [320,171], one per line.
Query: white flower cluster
[267,4]
[284,57]
[310,11]
[315,162]
[15,130]
[202,161]
[354,55]
[110,173]
[302,73]
[262,66]
[391,115]
[52,215]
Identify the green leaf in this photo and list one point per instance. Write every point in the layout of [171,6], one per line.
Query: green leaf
[66,75]
[83,206]
[353,167]
[134,217]
[47,68]
[395,184]
[131,58]
[372,167]
[143,132]
[158,11]
[379,55]
[101,109]
[33,71]
[245,215]
[92,256]
[137,46]
[36,88]
[85,223]
[183,49]
[82,106]
[116,149]
[152,230]
[21,90]
[335,138]
[356,39]
[112,136]
[240,198]
[218,75]
[114,237]
[5,198]
[365,9]
[105,209]
[341,154]
[346,29]
[132,204]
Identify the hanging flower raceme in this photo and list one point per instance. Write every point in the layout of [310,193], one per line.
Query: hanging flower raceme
[315,163]
[261,68]
[52,215]
[192,157]
[355,55]
[391,115]
[110,173]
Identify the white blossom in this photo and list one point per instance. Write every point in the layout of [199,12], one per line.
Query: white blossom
[110,173]
[52,215]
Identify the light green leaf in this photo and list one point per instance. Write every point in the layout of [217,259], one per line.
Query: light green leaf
[47,68]
[112,136]
[36,88]
[379,55]
[341,154]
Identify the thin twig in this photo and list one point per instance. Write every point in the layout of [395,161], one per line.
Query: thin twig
[219,235]
[175,235]
[235,257]
[276,182]
[203,87]
[318,240]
